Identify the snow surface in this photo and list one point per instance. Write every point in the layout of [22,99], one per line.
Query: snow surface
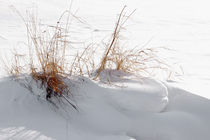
[148,110]
[145,109]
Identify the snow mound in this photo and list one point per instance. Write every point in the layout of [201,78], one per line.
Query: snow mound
[146,109]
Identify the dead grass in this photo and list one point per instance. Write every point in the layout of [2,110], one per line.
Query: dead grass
[47,54]
[141,61]
[84,61]
[49,46]
[15,69]
[114,40]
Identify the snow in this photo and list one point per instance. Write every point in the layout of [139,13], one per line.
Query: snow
[149,109]
[125,109]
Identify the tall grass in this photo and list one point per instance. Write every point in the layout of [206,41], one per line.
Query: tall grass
[140,61]
[114,39]
[50,48]
[47,47]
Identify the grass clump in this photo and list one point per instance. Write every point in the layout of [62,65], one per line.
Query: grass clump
[139,61]
[47,47]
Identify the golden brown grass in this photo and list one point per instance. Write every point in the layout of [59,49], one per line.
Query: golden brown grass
[50,48]
[140,61]
[114,40]
[46,59]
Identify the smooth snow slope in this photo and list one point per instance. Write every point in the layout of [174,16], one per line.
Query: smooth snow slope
[149,110]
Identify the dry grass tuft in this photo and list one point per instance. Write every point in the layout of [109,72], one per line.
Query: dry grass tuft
[114,40]
[46,53]
[140,61]
[49,46]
